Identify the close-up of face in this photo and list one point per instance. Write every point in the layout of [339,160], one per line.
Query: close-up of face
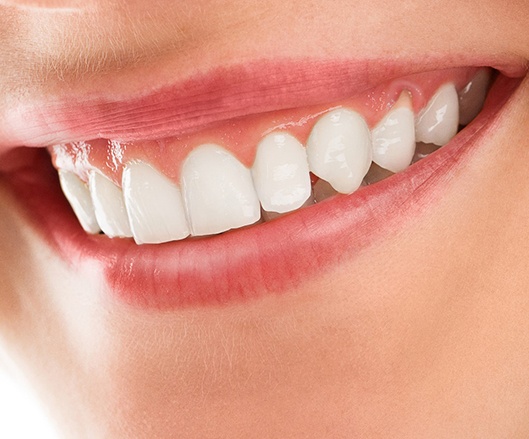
[232,219]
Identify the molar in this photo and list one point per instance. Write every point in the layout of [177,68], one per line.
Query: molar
[218,191]
[394,136]
[472,97]
[438,122]
[154,205]
[109,206]
[78,195]
[339,149]
[281,173]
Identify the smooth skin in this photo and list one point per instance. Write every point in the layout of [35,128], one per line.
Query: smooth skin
[424,334]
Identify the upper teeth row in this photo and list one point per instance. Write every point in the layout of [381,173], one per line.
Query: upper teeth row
[218,193]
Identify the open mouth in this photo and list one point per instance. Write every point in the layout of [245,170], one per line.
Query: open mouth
[235,207]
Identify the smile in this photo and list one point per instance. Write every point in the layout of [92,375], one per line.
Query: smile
[151,192]
[239,206]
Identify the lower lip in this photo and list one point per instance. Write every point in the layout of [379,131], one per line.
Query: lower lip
[268,258]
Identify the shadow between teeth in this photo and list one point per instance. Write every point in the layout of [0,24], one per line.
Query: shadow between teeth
[218,193]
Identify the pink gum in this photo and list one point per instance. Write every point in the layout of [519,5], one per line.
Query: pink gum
[242,135]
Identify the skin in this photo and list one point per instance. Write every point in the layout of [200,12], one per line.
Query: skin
[423,334]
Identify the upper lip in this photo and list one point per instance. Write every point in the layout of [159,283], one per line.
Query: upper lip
[192,103]
[271,257]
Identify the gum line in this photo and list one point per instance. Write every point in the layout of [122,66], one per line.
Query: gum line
[241,136]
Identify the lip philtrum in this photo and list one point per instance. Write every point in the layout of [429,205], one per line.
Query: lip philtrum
[250,261]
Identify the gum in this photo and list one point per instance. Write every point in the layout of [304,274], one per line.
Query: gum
[242,135]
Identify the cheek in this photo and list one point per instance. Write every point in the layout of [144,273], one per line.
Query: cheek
[14,260]
[47,4]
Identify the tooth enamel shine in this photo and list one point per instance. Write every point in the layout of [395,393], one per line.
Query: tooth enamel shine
[438,122]
[339,149]
[472,97]
[281,173]
[109,206]
[76,192]
[394,137]
[218,191]
[154,205]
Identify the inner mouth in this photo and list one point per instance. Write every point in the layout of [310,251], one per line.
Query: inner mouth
[252,170]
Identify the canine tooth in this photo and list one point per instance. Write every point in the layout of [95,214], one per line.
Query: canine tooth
[281,173]
[472,97]
[438,122]
[154,205]
[339,149]
[394,136]
[109,206]
[218,191]
[78,195]
[269,216]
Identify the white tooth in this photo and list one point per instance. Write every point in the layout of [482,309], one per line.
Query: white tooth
[218,191]
[281,173]
[472,97]
[339,149]
[109,206]
[269,216]
[78,195]
[438,122]
[154,205]
[394,136]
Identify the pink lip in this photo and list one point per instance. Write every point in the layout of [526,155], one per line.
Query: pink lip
[263,259]
[221,94]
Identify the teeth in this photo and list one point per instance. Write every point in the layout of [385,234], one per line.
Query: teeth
[109,206]
[281,173]
[438,122]
[472,97]
[154,205]
[218,191]
[269,216]
[394,136]
[339,149]
[78,195]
